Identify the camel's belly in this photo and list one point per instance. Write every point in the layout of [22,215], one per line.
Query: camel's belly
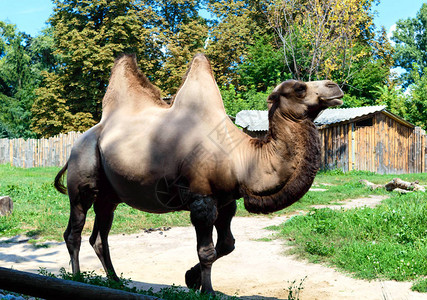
[158,195]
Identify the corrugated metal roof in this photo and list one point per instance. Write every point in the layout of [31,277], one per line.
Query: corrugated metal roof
[253,120]
[257,120]
[337,115]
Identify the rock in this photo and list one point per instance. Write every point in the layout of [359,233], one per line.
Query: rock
[6,205]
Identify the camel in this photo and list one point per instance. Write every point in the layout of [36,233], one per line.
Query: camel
[190,156]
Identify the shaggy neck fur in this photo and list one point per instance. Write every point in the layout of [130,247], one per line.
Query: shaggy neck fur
[297,143]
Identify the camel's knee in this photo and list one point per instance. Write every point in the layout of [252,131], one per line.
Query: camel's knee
[207,255]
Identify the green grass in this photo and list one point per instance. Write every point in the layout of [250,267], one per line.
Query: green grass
[388,242]
[39,210]
[420,285]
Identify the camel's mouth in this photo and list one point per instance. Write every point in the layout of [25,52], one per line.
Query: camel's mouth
[332,101]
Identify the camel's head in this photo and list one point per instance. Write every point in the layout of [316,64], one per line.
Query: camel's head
[297,99]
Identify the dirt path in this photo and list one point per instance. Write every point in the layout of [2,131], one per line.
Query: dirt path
[255,270]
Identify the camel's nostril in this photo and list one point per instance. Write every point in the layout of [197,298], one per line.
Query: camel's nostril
[331,85]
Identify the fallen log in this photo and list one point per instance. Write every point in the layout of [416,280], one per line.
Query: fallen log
[404,185]
[397,185]
[371,185]
[55,288]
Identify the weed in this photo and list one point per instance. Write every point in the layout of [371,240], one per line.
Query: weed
[295,289]
[171,293]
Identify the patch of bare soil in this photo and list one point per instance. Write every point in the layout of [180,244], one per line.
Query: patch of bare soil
[255,270]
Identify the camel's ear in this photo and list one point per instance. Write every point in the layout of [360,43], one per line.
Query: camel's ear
[272,98]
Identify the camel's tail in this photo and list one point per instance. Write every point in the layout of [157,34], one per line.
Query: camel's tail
[59,180]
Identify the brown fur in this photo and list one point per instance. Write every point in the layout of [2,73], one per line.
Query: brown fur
[290,191]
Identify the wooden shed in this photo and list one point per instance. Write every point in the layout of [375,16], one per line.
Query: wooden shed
[362,138]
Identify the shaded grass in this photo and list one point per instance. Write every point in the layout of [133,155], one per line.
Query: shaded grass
[388,242]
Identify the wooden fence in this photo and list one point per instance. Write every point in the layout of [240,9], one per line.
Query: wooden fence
[49,152]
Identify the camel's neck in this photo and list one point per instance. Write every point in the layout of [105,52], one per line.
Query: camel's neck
[281,168]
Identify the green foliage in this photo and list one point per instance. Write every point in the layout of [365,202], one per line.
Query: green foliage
[361,88]
[88,36]
[410,37]
[17,82]
[263,68]
[235,28]
[420,286]
[294,290]
[180,49]
[235,101]
[393,97]
[417,106]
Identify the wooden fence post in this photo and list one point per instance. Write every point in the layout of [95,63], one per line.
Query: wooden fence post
[53,151]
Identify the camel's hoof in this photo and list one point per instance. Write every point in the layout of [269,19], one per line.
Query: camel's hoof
[113,276]
[210,292]
[193,278]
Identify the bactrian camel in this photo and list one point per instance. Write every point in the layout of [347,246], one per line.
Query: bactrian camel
[190,156]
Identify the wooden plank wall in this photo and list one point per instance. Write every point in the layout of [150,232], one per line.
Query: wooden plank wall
[43,152]
[386,147]
[335,147]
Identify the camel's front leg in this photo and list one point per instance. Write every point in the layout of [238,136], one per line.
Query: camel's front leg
[224,245]
[203,215]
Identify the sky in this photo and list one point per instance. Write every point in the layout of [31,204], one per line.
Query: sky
[30,16]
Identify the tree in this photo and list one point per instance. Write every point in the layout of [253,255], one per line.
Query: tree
[417,104]
[17,82]
[182,34]
[179,50]
[263,67]
[394,98]
[88,35]
[410,37]
[234,30]
[322,38]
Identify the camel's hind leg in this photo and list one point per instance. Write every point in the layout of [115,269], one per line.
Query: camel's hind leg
[80,202]
[104,211]
[83,181]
